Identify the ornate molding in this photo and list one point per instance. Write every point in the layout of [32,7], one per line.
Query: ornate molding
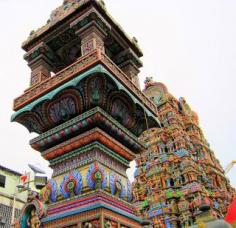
[94,135]
[96,117]
[86,155]
[85,62]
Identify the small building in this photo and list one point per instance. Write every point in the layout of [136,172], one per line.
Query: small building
[9,179]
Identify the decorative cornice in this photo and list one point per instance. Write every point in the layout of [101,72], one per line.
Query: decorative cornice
[96,115]
[73,74]
[33,93]
[62,17]
[94,149]
[87,203]
[88,200]
[94,145]
[94,135]
[90,207]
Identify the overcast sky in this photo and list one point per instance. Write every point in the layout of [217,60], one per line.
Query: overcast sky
[190,45]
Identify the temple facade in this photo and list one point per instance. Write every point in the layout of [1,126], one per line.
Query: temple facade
[178,174]
[85,104]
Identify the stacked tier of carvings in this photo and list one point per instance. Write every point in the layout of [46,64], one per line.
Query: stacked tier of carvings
[111,220]
[178,173]
[59,112]
[68,12]
[89,28]
[96,136]
[79,36]
[99,177]
[96,178]
[73,185]
[82,64]
[64,108]
[95,90]
[96,117]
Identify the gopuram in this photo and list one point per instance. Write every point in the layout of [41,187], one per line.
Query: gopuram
[84,102]
[178,175]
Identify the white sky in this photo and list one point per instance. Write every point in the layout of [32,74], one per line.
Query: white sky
[190,45]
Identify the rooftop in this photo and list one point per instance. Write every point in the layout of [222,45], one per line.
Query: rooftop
[10,170]
[68,9]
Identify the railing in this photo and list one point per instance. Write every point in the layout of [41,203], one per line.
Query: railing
[74,69]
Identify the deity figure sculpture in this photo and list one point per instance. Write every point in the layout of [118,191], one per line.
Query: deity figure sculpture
[108,224]
[174,207]
[118,188]
[95,87]
[33,221]
[148,80]
[185,108]
[98,180]
[88,225]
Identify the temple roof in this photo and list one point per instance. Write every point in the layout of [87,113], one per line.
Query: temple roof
[68,9]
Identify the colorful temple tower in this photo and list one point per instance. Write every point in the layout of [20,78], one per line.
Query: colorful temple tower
[85,103]
[178,174]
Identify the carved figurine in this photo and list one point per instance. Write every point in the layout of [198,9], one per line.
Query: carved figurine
[118,187]
[98,180]
[108,224]
[33,221]
[88,225]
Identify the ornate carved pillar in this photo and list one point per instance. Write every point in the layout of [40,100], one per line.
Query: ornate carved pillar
[93,33]
[131,71]
[92,39]
[129,64]
[39,61]
[40,71]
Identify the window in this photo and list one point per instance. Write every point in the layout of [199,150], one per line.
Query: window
[2,181]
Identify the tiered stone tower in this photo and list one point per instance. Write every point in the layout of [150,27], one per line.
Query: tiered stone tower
[85,103]
[178,175]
